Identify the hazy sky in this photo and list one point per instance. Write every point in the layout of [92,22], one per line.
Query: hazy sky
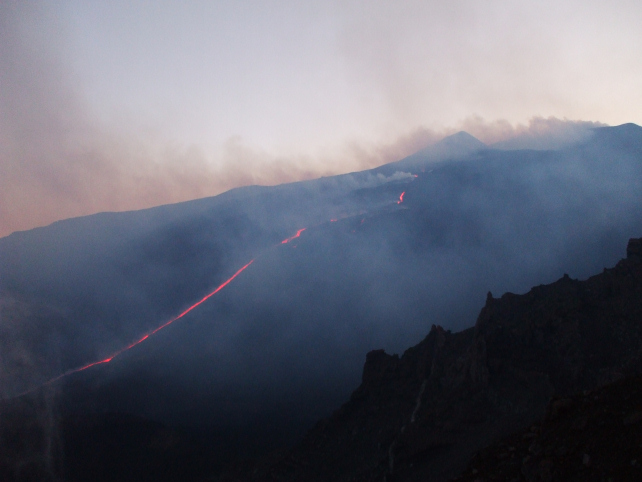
[128,104]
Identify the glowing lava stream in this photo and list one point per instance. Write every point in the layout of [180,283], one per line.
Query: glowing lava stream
[122,350]
[298,233]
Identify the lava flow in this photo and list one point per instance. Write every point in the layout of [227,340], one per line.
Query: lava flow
[122,350]
[298,233]
[401,198]
[223,285]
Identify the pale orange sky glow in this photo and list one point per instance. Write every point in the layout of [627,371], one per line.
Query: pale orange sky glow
[126,105]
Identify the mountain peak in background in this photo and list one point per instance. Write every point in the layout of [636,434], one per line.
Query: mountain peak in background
[460,145]
[461,141]
[153,315]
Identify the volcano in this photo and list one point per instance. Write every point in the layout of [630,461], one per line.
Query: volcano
[372,260]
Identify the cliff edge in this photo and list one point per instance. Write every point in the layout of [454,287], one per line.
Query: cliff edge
[422,416]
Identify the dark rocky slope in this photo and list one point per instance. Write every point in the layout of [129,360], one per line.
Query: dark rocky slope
[592,436]
[424,415]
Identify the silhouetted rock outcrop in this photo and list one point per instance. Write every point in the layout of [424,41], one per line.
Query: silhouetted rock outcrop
[561,363]
[634,249]
[423,415]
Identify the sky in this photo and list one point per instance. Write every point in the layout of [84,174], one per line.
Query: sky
[123,105]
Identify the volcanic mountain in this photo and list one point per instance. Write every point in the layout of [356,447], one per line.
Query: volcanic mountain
[420,416]
[282,345]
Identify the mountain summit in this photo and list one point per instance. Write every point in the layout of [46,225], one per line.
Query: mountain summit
[336,266]
[461,141]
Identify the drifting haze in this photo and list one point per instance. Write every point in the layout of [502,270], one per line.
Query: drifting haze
[124,106]
[297,322]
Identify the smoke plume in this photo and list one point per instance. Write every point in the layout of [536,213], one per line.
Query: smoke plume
[58,159]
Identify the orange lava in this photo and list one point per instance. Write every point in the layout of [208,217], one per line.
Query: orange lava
[122,350]
[298,233]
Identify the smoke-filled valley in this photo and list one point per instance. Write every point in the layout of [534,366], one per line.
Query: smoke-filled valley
[283,344]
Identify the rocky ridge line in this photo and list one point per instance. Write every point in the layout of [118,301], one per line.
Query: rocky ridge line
[422,416]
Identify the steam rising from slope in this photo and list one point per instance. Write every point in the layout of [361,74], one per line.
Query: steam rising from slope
[59,160]
[402,253]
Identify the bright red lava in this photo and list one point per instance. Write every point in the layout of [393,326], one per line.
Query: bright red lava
[298,233]
[228,281]
[114,355]
[107,360]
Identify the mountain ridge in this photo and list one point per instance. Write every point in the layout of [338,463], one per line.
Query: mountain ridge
[421,416]
[285,340]
[560,354]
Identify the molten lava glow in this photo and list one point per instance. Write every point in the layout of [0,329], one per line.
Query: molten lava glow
[198,303]
[122,350]
[195,304]
[298,233]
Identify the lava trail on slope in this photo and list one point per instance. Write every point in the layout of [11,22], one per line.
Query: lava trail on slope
[164,325]
[181,315]
[298,233]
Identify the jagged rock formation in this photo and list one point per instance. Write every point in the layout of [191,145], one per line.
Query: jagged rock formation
[423,415]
